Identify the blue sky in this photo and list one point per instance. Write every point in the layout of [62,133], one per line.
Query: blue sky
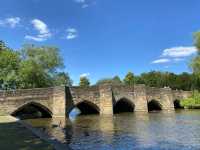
[103,38]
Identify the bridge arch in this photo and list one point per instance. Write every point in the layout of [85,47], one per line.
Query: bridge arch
[87,107]
[123,105]
[32,110]
[177,104]
[154,105]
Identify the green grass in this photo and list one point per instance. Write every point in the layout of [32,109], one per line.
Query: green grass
[192,102]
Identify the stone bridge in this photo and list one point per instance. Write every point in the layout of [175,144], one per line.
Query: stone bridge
[104,99]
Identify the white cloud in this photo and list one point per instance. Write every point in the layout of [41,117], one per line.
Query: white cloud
[177,52]
[84,3]
[42,28]
[161,61]
[35,38]
[178,59]
[12,22]
[72,33]
[80,1]
[166,67]
[84,75]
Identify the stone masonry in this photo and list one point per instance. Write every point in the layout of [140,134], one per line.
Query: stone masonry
[59,101]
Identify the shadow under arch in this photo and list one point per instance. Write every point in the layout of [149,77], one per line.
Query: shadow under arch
[32,110]
[177,104]
[123,105]
[87,108]
[154,105]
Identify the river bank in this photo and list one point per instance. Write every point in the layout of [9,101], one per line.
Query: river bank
[192,102]
[14,135]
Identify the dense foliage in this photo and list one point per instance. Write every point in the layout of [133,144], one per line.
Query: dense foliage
[166,79]
[84,82]
[192,102]
[195,63]
[31,67]
[111,81]
[197,40]
[184,81]
[129,79]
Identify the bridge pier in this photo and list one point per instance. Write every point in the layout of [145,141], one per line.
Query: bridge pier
[140,98]
[167,99]
[106,100]
[59,102]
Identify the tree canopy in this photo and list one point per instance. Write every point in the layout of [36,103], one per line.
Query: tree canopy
[195,63]
[9,66]
[183,81]
[166,79]
[197,40]
[84,82]
[112,81]
[129,79]
[2,45]
[31,67]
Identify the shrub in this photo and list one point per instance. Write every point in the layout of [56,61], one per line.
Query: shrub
[192,102]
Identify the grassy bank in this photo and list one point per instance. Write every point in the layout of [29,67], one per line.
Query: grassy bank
[14,136]
[192,102]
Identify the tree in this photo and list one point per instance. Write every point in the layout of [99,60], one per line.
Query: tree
[171,80]
[9,65]
[129,79]
[2,45]
[116,80]
[84,82]
[195,79]
[138,80]
[111,81]
[151,78]
[31,67]
[39,66]
[195,63]
[197,40]
[185,81]
[104,81]
[63,79]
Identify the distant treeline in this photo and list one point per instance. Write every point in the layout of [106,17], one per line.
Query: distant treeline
[184,81]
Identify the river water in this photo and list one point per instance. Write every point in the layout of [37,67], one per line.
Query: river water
[128,131]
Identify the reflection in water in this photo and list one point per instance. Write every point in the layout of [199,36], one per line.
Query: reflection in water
[154,131]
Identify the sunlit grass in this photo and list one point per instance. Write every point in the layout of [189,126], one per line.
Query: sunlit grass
[192,102]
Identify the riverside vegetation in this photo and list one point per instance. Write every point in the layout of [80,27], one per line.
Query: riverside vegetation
[192,102]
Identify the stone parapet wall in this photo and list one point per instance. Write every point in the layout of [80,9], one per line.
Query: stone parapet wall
[61,100]
[179,94]
[51,98]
